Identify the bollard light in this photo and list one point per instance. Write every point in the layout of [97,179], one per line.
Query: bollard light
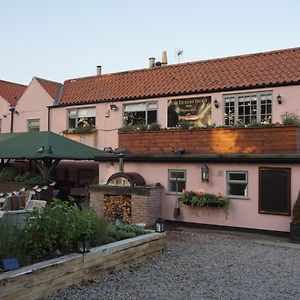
[160,225]
[84,243]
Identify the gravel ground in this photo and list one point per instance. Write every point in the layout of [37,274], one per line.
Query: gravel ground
[202,264]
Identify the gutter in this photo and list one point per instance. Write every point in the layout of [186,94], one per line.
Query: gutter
[207,158]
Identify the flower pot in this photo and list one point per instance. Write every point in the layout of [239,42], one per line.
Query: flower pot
[295,233]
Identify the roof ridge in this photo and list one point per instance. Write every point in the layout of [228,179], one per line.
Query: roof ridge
[10,82]
[50,81]
[175,65]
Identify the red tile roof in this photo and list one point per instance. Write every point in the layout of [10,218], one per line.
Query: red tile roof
[11,91]
[51,87]
[265,69]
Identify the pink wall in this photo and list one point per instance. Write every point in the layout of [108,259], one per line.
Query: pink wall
[242,212]
[32,105]
[108,122]
[4,115]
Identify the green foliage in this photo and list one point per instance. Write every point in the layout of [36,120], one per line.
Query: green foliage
[140,127]
[296,211]
[184,124]
[84,129]
[56,228]
[203,199]
[123,231]
[7,174]
[11,241]
[289,118]
[154,127]
[30,179]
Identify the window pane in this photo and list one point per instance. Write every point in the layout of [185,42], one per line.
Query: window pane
[72,123]
[152,106]
[237,176]
[177,174]
[151,117]
[135,118]
[86,112]
[135,107]
[179,187]
[237,189]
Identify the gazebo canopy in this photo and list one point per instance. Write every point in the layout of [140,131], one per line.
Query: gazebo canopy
[44,144]
[45,149]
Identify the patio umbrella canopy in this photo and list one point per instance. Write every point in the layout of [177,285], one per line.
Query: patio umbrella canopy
[45,148]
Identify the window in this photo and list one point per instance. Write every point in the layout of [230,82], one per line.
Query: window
[275,191]
[140,113]
[247,109]
[237,184]
[81,116]
[33,125]
[177,181]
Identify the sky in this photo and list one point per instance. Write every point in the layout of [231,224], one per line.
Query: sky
[63,39]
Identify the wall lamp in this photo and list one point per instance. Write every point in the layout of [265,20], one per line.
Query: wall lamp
[205,173]
[279,99]
[113,106]
[216,103]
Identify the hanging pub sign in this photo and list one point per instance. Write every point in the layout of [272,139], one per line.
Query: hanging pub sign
[194,110]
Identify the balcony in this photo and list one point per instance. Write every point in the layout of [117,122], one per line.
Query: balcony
[256,140]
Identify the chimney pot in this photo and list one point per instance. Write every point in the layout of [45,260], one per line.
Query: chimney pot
[164,59]
[98,70]
[151,62]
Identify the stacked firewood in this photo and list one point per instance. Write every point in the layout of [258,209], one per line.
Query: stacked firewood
[116,206]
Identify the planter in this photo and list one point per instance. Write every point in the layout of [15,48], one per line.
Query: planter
[44,278]
[295,233]
[214,140]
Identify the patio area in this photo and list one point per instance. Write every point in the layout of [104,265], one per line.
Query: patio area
[204,264]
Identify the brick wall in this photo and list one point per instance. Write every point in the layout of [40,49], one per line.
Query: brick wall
[145,201]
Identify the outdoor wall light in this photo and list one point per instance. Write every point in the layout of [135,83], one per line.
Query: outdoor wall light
[84,243]
[160,225]
[113,106]
[216,103]
[205,173]
[279,99]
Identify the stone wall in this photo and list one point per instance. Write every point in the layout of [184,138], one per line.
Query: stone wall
[145,201]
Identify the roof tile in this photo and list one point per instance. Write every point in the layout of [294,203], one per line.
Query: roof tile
[11,91]
[236,72]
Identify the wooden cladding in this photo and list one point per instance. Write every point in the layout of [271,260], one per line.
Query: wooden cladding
[276,140]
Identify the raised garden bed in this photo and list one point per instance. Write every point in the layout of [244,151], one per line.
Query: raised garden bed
[41,279]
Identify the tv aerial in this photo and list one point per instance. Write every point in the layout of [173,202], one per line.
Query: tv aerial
[179,53]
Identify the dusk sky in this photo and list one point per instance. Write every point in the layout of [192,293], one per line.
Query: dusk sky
[63,39]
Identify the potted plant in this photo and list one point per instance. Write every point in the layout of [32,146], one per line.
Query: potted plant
[295,224]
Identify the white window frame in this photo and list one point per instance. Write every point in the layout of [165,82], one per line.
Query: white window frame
[234,98]
[77,110]
[174,179]
[228,182]
[30,126]
[147,104]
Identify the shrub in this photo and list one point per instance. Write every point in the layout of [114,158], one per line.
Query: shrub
[30,179]
[7,174]
[184,124]
[55,229]
[11,240]
[154,127]
[296,211]
[83,129]
[123,231]
[289,118]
